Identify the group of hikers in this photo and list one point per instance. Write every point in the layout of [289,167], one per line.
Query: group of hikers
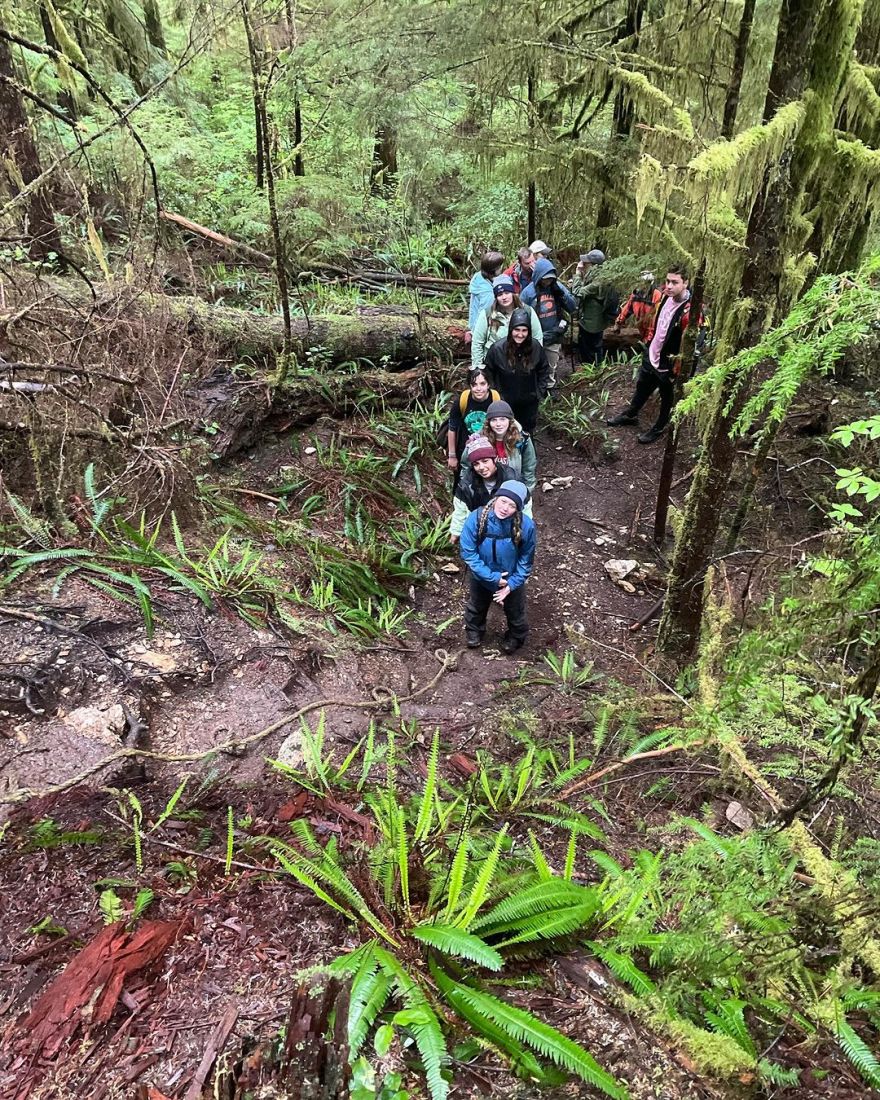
[516,323]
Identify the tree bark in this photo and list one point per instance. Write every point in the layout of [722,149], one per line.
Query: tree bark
[65,100]
[20,165]
[153,26]
[383,170]
[762,284]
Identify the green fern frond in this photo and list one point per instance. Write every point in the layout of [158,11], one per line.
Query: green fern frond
[539,859]
[727,1019]
[453,941]
[607,864]
[526,1029]
[624,969]
[370,991]
[421,1020]
[717,843]
[548,926]
[543,897]
[570,854]
[426,807]
[457,874]
[480,890]
[858,1052]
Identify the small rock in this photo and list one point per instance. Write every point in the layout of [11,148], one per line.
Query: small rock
[739,816]
[547,487]
[627,587]
[449,567]
[310,450]
[100,725]
[562,482]
[291,751]
[162,662]
[620,568]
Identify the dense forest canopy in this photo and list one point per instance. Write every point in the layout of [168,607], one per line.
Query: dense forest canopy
[238,244]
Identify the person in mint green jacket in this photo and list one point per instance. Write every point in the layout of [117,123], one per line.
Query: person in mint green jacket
[492,324]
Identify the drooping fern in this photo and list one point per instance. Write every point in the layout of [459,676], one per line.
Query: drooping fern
[522,1027]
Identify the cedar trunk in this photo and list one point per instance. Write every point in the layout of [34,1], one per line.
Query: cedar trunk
[20,165]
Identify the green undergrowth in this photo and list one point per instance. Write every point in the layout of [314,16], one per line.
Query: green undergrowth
[350,533]
[738,946]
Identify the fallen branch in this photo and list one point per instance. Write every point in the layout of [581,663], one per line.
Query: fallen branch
[594,777]
[212,235]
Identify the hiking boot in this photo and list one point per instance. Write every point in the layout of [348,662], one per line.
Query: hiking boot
[625,417]
[474,641]
[511,645]
[652,434]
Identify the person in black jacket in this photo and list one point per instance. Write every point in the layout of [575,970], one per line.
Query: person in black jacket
[520,370]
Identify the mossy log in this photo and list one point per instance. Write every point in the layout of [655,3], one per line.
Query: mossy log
[392,334]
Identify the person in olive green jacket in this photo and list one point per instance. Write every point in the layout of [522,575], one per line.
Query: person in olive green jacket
[598,302]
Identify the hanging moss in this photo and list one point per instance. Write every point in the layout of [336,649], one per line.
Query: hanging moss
[860,101]
[739,166]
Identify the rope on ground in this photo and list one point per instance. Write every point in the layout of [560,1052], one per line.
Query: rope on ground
[447,661]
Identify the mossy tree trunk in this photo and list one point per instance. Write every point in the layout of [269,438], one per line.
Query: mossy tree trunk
[20,165]
[763,288]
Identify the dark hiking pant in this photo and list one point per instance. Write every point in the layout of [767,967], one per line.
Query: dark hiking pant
[649,380]
[479,600]
[526,412]
[591,348]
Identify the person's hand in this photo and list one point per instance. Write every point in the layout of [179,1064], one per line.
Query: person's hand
[581,268]
[452,462]
[502,594]
[502,580]
[468,337]
[453,539]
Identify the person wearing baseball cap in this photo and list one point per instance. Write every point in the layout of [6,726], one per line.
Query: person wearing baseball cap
[540,248]
[492,323]
[482,474]
[598,302]
[497,545]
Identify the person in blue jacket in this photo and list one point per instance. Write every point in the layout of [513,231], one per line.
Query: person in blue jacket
[481,296]
[551,300]
[497,544]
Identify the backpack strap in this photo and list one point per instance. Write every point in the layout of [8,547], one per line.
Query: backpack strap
[463,401]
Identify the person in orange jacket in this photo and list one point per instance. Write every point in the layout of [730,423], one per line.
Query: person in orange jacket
[641,305]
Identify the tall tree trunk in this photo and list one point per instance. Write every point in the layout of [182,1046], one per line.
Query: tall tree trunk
[731,103]
[65,98]
[621,123]
[287,359]
[383,170]
[299,168]
[254,59]
[20,165]
[531,193]
[153,26]
[762,285]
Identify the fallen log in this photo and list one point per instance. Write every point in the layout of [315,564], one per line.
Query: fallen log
[396,334]
[241,411]
[399,336]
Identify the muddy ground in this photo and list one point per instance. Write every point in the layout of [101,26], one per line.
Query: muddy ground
[205,680]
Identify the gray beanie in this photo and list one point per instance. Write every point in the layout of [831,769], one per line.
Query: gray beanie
[515,491]
[499,408]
